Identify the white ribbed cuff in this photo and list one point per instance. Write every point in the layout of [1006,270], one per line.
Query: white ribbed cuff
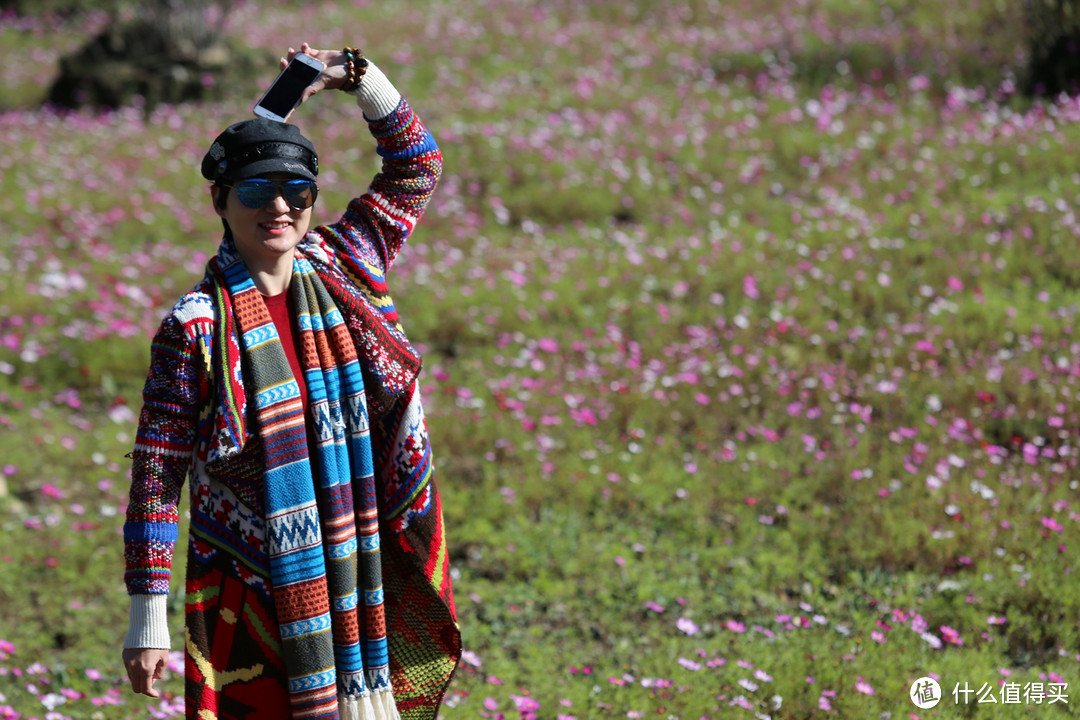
[376,95]
[148,626]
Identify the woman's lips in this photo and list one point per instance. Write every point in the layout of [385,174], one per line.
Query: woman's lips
[275,228]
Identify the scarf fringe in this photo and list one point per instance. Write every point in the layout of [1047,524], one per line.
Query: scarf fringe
[378,705]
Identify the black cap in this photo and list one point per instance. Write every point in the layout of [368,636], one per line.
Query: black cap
[259,146]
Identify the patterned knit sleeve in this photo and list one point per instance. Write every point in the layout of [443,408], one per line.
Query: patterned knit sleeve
[377,223]
[162,457]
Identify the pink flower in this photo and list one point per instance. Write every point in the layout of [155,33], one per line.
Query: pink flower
[864,687]
[51,491]
[950,635]
[525,704]
[1051,524]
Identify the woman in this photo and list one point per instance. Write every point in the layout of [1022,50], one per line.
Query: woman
[284,388]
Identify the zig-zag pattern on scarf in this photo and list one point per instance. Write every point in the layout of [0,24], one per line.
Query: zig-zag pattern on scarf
[313,525]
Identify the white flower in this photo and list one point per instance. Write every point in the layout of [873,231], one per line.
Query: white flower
[53,701]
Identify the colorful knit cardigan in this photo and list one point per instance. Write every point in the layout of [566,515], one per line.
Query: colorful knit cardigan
[196,423]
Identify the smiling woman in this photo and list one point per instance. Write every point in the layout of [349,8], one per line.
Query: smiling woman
[284,390]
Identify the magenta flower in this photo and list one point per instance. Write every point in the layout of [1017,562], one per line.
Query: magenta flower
[51,491]
[1051,524]
[864,687]
[950,635]
[525,704]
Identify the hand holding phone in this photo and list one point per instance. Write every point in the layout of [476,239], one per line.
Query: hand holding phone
[285,93]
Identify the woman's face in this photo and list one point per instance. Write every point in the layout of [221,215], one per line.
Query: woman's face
[263,235]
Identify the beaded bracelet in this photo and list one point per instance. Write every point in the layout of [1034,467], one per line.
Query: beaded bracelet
[355,68]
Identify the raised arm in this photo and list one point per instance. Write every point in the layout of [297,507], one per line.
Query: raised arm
[376,224]
[412,163]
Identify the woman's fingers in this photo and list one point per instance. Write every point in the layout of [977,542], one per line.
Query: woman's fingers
[144,666]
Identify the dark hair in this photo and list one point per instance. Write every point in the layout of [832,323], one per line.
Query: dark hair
[223,196]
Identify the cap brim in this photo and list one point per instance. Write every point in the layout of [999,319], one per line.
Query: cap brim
[269,166]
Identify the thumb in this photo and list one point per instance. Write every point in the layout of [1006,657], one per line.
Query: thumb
[159,669]
[151,675]
[148,684]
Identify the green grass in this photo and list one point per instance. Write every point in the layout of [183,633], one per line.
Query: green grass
[716,386]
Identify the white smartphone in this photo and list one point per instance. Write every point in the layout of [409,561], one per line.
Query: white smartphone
[284,94]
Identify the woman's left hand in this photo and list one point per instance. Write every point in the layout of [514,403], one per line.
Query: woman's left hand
[333,75]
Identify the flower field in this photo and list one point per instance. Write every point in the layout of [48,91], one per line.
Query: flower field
[751,365]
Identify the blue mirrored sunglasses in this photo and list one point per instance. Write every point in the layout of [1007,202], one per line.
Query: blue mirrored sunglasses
[258,192]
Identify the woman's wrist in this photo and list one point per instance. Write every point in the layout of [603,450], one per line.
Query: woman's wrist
[355,68]
[376,95]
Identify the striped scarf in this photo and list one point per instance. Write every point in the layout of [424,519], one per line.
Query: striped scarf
[320,502]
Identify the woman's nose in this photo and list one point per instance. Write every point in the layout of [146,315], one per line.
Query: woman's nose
[278,204]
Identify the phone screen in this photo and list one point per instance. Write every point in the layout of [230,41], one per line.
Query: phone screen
[284,94]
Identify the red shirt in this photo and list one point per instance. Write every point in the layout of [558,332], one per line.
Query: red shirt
[281,312]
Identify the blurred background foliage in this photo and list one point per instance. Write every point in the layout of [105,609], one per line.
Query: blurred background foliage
[1053,40]
[176,50]
[162,52]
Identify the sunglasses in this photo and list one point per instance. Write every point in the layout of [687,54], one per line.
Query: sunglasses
[258,192]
